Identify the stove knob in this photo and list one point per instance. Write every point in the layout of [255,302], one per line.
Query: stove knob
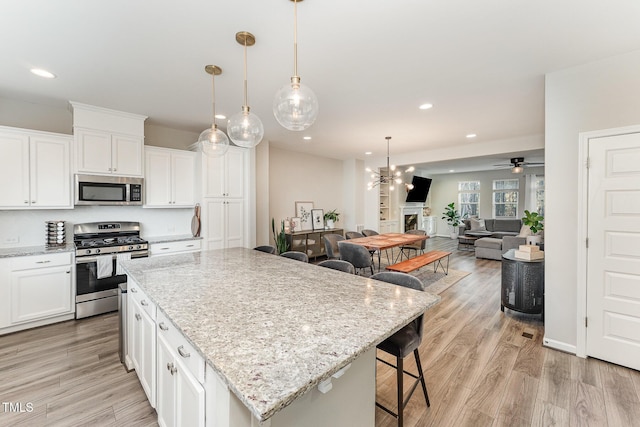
[88,251]
[97,251]
[138,247]
[130,248]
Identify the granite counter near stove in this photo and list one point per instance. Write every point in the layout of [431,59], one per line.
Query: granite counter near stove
[270,327]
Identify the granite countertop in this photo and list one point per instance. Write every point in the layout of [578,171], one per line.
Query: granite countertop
[271,327]
[172,238]
[35,250]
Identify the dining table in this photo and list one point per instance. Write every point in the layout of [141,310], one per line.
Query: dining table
[384,241]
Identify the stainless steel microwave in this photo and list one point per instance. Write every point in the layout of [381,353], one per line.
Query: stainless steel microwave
[108,190]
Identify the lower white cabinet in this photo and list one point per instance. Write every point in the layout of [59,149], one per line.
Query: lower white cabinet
[180,373]
[141,312]
[36,290]
[181,246]
[388,227]
[225,222]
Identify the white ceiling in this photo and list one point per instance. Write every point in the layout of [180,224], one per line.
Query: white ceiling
[371,64]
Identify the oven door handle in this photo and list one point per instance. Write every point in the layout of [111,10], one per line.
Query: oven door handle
[89,259]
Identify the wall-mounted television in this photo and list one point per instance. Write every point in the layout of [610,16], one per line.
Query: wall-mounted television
[420,190]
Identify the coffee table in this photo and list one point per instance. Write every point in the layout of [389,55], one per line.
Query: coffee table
[466,242]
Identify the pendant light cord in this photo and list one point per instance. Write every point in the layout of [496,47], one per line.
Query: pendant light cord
[213,97]
[295,38]
[246,103]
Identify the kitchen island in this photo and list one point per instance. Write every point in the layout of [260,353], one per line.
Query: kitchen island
[273,329]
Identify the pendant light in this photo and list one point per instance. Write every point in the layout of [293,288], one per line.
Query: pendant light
[213,141]
[245,128]
[392,177]
[295,106]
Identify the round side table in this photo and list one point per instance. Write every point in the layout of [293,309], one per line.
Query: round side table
[522,284]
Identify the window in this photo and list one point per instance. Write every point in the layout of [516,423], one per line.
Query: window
[540,195]
[505,198]
[469,198]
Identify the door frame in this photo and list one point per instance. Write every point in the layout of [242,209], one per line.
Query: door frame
[583,207]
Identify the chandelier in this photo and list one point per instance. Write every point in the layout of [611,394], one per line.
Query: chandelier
[392,176]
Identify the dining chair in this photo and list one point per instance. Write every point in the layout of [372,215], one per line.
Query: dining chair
[266,248]
[331,245]
[419,246]
[366,232]
[403,343]
[298,256]
[353,235]
[357,255]
[338,264]
[356,234]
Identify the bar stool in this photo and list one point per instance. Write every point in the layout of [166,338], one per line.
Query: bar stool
[402,343]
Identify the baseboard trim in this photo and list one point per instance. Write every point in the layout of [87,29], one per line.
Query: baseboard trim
[559,345]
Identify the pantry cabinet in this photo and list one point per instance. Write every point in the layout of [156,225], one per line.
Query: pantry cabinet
[225,176]
[225,219]
[169,178]
[35,168]
[103,152]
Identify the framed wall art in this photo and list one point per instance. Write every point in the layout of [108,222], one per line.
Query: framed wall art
[317,217]
[303,211]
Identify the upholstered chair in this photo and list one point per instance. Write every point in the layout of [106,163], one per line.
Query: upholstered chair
[331,245]
[405,250]
[298,256]
[266,248]
[357,255]
[337,264]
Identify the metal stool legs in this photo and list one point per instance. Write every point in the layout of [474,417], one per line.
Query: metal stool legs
[402,402]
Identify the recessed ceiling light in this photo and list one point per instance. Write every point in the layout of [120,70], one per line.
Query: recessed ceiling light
[452,170]
[306,137]
[426,106]
[471,135]
[221,116]
[368,153]
[43,73]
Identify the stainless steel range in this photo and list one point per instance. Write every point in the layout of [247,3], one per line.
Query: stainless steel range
[99,248]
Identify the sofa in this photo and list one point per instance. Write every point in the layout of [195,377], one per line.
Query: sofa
[495,238]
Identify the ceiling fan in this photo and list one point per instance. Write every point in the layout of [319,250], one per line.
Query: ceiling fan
[518,164]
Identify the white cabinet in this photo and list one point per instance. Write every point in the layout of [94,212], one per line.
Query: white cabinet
[429,225]
[225,221]
[388,227]
[141,324]
[181,396]
[169,248]
[225,176]
[35,170]
[36,290]
[169,177]
[103,152]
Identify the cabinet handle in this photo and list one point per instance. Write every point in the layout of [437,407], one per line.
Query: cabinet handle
[163,326]
[69,272]
[43,262]
[182,352]
[134,290]
[33,201]
[144,303]
[138,317]
[115,169]
[169,365]
[164,249]
[173,369]
[26,201]
[190,246]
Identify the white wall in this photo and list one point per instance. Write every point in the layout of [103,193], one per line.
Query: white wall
[599,95]
[444,190]
[297,176]
[29,225]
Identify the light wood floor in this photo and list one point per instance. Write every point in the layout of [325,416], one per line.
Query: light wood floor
[480,369]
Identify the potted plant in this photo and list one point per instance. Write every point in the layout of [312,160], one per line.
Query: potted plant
[534,221]
[280,239]
[452,216]
[331,217]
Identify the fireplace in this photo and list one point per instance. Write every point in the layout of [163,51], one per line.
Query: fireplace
[410,218]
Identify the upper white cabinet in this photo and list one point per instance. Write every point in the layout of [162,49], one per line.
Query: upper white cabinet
[225,176]
[169,177]
[108,142]
[35,169]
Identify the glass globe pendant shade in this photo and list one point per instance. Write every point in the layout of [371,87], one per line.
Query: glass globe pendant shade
[245,128]
[295,106]
[214,142]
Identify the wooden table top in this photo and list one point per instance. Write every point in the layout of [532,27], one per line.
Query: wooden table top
[388,240]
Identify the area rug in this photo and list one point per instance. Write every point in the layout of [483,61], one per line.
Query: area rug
[435,283]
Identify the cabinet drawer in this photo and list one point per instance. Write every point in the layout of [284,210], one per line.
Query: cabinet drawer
[184,351]
[142,299]
[40,261]
[174,247]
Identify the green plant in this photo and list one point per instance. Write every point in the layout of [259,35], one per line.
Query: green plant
[280,239]
[451,215]
[533,221]
[331,215]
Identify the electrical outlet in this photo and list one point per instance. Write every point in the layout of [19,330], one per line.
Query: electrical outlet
[11,240]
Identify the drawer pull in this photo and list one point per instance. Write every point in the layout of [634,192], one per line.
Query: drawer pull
[144,303]
[190,246]
[163,327]
[182,352]
[164,249]
[134,290]
[173,369]
[43,262]
[138,317]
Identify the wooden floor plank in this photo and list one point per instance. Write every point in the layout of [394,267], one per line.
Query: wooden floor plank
[546,414]
[586,404]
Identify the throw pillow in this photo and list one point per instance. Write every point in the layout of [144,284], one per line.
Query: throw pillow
[525,231]
[478,225]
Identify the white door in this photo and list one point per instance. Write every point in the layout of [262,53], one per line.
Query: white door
[613,256]
[126,155]
[165,404]
[93,149]
[183,166]
[40,293]
[14,170]
[189,398]
[147,372]
[214,211]
[235,223]
[50,171]
[235,169]
[157,181]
